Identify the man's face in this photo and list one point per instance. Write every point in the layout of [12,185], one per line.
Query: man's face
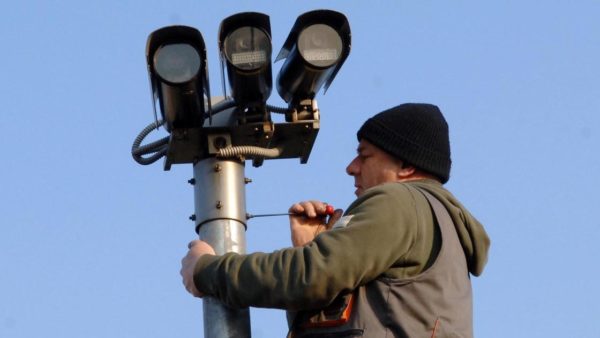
[372,166]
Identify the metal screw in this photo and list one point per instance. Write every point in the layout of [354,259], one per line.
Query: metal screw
[219,205]
[193,218]
[192,181]
[217,167]
[247,180]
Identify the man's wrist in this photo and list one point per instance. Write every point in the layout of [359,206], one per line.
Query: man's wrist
[202,274]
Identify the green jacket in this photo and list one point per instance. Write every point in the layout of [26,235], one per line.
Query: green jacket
[390,233]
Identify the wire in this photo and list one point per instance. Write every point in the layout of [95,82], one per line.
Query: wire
[249,151]
[150,147]
[278,110]
[221,106]
[157,148]
[149,160]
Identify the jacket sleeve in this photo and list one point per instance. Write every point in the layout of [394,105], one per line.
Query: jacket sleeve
[380,232]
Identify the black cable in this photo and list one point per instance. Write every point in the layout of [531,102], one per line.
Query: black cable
[278,110]
[151,147]
[159,147]
[221,106]
[149,160]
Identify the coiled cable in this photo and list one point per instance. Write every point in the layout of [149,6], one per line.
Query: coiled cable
[249,151]
[157,148]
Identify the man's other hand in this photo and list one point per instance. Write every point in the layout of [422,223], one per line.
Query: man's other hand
[196,250]
[308,219]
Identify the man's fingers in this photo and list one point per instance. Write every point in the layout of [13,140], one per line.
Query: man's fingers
[192,243]
[320,207]
[310,209]
[296,208]
[200,247]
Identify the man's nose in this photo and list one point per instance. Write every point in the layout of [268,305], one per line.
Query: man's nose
[352,168]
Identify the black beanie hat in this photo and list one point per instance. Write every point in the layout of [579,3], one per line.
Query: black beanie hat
[413,132]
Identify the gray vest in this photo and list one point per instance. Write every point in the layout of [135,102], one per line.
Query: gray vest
[437,303]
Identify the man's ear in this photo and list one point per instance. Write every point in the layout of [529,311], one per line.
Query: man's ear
[406,171]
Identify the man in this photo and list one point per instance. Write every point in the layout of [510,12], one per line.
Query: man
[396,264]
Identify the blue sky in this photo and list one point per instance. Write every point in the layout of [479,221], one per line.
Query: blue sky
[90,241]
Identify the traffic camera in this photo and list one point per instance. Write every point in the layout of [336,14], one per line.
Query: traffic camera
[245,49]
[176,59]
[314,51]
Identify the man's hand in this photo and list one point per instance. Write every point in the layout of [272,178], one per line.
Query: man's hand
[196,250]
[309,220]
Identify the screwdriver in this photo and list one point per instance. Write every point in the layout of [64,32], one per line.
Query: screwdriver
[329,210]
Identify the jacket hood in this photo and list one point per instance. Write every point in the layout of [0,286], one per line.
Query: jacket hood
[473,238]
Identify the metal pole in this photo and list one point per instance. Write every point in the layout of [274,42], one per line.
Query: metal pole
[220,209]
